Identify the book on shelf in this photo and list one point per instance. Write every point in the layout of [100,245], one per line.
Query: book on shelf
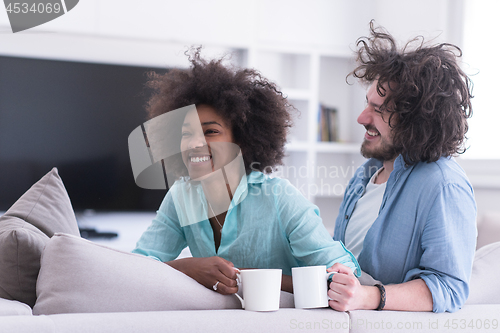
[327,124]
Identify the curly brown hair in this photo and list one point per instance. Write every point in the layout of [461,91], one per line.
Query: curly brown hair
[429,97]
[254,108]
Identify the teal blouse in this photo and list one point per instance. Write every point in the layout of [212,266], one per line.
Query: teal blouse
[269,224]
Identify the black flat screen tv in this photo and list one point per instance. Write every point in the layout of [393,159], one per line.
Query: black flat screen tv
[77,117]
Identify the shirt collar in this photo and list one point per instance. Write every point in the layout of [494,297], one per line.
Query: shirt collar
[369,168]
[399,164]
[255,177]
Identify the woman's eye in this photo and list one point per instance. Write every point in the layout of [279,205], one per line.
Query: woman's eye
[184,134]
[211,131]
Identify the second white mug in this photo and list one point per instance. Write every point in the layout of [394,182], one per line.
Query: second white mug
[310,287]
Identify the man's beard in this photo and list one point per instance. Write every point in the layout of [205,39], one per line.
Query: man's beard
[386,152]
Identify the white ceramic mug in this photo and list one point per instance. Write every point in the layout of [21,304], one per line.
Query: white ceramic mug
[310,287]
[261,289]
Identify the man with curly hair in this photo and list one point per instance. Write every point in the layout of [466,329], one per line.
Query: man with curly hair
[244,218]
[408,214]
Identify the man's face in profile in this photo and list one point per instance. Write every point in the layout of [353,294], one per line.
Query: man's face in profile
[377,142]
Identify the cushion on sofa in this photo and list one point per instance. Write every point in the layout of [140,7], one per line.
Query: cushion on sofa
[47,206]
[25,229]
[77,275]
[21,246]
[488,229]
[13,308]
[484,288]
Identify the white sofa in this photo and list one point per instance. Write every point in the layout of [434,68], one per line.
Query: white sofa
[284,320]
[85,287]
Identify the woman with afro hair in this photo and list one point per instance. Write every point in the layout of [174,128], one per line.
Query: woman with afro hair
[229,126]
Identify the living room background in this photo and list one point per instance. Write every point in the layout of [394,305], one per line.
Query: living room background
[305,46]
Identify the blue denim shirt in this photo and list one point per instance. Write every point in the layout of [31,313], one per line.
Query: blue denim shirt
[426,228]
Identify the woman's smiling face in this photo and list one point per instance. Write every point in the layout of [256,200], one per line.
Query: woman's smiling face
[204,134]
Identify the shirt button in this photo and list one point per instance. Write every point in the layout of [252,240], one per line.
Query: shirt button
[347,217]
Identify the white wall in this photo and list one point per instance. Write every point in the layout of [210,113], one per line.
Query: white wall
[441,19]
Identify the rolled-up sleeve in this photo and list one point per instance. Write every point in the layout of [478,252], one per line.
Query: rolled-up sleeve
[448,244]
[309,240]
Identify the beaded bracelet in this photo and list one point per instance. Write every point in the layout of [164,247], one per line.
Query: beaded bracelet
[382,297]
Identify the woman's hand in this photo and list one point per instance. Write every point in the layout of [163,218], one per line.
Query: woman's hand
[209,271]
[346,293]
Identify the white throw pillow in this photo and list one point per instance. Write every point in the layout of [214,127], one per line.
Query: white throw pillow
[25,228]
[484,287]
[488,229]
[79,276]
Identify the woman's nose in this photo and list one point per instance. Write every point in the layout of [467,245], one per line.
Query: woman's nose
[197,141]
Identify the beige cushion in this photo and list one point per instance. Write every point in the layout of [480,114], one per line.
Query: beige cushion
[484,287]
[25,229]
[78,276]
[488,229]
[46,205]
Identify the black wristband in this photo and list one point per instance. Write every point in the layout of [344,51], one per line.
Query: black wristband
[382,297]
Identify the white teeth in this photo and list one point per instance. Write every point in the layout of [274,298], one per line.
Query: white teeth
[370,133]
[199,159]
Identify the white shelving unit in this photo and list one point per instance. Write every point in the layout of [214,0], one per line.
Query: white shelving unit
[310,77]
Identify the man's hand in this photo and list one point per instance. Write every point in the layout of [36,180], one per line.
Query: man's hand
[346,293]
[209,271]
